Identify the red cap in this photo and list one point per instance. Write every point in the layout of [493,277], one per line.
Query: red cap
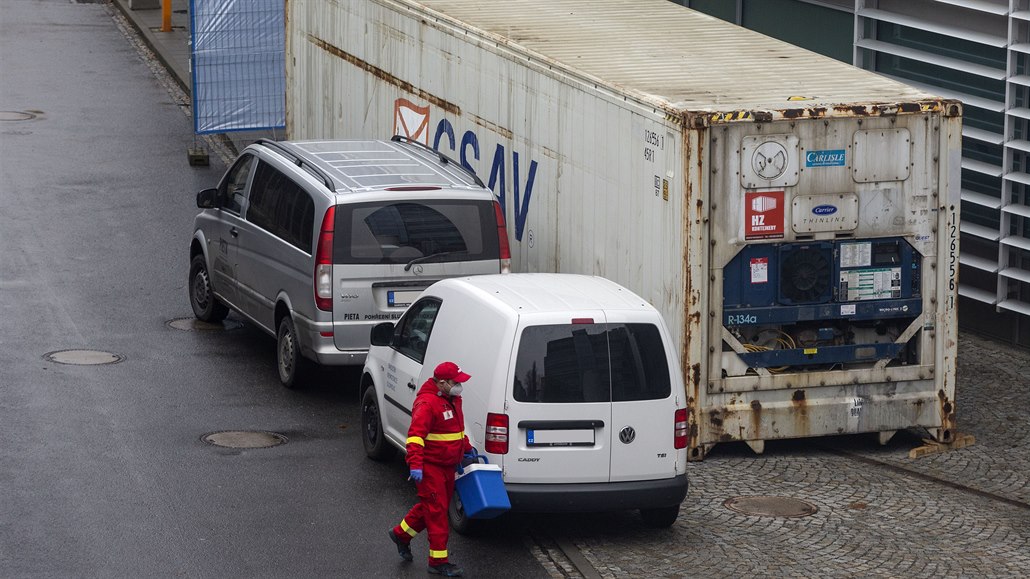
[450,371]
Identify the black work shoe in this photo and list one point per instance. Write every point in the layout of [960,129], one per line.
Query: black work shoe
[446,569]
[402,548]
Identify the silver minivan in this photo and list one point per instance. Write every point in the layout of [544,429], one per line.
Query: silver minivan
[315,242]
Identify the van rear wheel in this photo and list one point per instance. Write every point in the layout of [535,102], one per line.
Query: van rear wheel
[287,354]
[460,522]
[372,437]
[661,517]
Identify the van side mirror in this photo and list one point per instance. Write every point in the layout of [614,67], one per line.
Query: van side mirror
[382,334]
[207,199]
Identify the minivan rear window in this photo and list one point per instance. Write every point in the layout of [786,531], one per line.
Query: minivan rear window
[569,363]
[397,232]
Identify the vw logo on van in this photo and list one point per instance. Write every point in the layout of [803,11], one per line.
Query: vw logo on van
[824,209]
[627,435]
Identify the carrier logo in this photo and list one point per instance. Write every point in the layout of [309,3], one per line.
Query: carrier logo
[824,210]
[627,435]
[411,120]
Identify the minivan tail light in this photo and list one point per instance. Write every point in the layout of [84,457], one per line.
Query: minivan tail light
[324,263]
[504,250]
[680,433]
[497,433]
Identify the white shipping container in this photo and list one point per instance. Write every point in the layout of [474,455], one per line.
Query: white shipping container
[795,219]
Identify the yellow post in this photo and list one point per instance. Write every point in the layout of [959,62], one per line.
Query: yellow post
[166,15]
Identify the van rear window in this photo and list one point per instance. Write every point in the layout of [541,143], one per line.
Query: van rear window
[591,363]
[397,232]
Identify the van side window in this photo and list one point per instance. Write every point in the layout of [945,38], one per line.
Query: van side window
[570,363]
[412,337]
[282,207]
[233,189]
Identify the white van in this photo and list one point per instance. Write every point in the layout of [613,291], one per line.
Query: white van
[576,390]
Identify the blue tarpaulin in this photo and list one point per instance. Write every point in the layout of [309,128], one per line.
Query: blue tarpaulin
[238,65]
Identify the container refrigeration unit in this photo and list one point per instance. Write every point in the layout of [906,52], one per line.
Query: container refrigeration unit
[794,218]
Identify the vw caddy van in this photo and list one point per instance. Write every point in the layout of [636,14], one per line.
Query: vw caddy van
[315,242]
[575,392]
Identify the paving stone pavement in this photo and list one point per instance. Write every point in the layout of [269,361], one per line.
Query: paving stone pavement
[962,513]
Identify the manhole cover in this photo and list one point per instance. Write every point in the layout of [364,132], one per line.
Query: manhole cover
[771,506]
[83,357]
[244,439]
[195,325]
[16,116]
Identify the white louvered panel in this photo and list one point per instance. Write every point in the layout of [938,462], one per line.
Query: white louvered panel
[1018,177]
[981,199]
[1020,47]
[1021,15]
[1016,241]
[967,99]
[982,135]
[929,57]
[1021,112]
[980,263]
[979,5]
[920,24]
[977,294]
[1017,209]
[1016,306]
[1019,145]
[1016,273]
[981,167]
[1020,79]
[979,231]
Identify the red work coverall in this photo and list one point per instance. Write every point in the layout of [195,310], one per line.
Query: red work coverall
[436,443]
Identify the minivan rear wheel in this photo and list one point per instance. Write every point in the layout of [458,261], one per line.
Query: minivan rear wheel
[372,437]
[206,306]
[288,358]
[460,522]
[660,517]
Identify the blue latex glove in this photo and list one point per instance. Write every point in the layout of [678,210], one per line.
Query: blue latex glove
[416,475]
[472,454]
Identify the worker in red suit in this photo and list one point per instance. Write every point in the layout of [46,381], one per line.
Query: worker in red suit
[436,445]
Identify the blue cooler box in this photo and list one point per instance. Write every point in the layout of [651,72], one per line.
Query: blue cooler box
[481,490]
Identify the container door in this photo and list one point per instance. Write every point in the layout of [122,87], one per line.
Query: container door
[643,407]
[559,411]
[386,253]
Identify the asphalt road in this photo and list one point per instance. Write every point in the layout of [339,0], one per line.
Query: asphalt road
[103,472]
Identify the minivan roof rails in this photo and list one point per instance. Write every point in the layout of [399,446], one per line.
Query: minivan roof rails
[443,158]
[279,148]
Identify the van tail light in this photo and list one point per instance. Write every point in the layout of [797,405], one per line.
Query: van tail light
[680,433]
[502,239]
[497,433]
[324,263]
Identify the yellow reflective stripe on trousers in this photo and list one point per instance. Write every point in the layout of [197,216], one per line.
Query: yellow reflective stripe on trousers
[447,436]
[417,440]
[407,529]
[438,554]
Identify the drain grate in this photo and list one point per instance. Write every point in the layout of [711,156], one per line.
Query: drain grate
[195,325]
[83,357]
[244,439]
[766,506]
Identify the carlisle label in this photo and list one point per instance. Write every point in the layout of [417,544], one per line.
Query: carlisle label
[828,158]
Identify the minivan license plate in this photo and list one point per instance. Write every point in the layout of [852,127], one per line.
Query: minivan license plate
[578,437]
[401,298]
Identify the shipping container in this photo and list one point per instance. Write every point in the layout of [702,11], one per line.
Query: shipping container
[794,218]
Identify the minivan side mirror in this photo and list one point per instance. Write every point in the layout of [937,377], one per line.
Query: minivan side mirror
[207,199]
[382,334]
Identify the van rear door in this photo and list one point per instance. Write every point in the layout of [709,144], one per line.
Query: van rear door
[386,252]
[559,410]
[643,404]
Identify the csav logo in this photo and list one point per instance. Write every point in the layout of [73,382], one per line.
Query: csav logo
[824,210]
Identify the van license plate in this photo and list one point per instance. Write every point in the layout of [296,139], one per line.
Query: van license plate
[401,298]
[584,437]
